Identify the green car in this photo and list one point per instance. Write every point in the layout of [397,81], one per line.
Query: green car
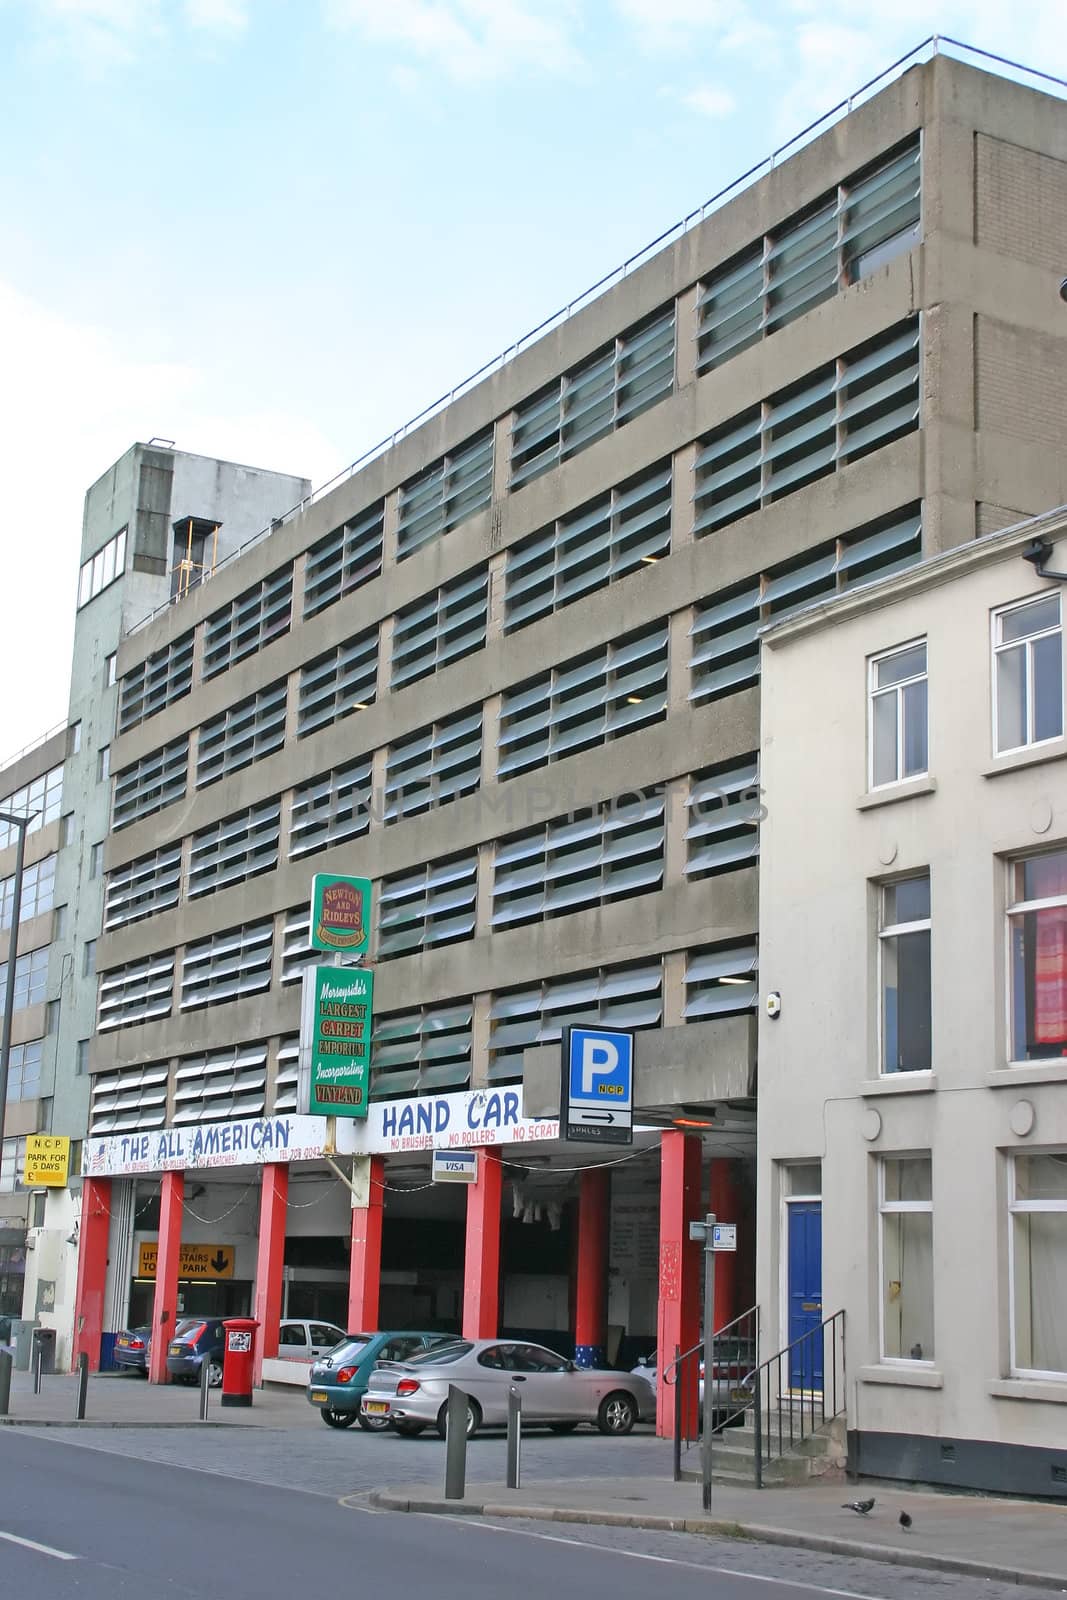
[339,1379]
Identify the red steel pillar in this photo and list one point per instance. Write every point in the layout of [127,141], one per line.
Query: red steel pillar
[92,1270]
[679,1277]
[481,1262]
[270,1258]
[165,1304]
[591,1321]
[723,1205]
[364,1281]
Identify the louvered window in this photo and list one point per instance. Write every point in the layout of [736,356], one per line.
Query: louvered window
[331,808]
[593,858]
[340,682]
[243,733]
[610,389]
[151,783]
[440,628]
[222,1085]
[130,1099]
[249,623]
[520,1019]
[602,696]
[144,887]
[348,557]
[227,965]
[423,1051]
[625,531]
[724,811]
[453,489]
[288,1070]
[432,905]
[140,991]
[869,219]
[837,415]
[720,981]
[296,947]
[164,677]
[725,654]
[433,766]
[234,849]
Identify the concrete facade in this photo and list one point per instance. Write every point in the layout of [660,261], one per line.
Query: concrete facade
[970,1396]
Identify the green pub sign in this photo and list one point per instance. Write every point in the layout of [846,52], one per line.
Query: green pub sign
[340,913]
[335,1029]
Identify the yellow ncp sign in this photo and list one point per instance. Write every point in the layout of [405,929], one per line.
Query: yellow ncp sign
[47,1161]
[194,1261]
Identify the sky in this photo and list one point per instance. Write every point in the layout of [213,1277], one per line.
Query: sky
[274,230]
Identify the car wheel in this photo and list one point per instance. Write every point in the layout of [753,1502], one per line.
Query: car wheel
[617,1413]
[374,1424]
[337,1419]
[214,1374]
[409,1430]
[474,1418]
[562,1427]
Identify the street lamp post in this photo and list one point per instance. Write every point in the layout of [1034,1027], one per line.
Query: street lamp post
[21,824]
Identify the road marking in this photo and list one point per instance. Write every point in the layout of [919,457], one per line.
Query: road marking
[671,1561]
[42,1549]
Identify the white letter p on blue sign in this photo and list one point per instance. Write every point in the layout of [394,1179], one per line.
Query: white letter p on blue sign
[600,1059]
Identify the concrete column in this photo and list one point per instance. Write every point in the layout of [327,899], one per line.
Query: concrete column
[678,1318]
[364,1282]
[92,1270]
[480,1029]
[481,1264]
[685,336]
[591,1318]
[165,1304]
[270,1257]
[723,1202]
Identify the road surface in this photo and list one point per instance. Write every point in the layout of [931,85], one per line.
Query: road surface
[82,1523]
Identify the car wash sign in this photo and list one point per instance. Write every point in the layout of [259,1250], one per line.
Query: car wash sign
[340,913]
[597,1086]
[335,1029]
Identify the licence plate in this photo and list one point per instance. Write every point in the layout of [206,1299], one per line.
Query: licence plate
[176,1350]
[376,1408]
[740,1394]
[320,1397]
[124,1344]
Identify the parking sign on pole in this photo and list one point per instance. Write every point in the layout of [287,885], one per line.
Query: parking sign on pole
[597,1086]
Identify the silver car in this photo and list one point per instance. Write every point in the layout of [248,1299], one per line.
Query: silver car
[413,1394]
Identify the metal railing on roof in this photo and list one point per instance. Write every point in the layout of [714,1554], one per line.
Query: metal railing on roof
[34,744]
[934,44]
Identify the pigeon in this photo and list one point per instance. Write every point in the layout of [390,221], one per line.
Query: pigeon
[905,1520]
[860,1507]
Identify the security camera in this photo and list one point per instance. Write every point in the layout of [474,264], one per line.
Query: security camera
[773,1003]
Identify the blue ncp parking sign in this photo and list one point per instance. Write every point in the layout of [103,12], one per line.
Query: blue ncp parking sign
[597,1088]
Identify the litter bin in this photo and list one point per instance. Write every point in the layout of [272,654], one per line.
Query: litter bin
[44,1339]
[238,1360]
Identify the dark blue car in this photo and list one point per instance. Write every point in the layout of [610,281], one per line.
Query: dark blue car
[194,1341]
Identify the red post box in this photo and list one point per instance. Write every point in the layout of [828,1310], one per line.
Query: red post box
[238,1360]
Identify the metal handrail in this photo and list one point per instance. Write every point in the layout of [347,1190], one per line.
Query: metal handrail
[677,1366]
[812,1412]
[934,43]
[34,744]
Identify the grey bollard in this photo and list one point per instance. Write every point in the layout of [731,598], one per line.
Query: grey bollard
[514,1436]
[83,1386]
[455,1444]
[5,1382]
[205,1389]
[38,1364]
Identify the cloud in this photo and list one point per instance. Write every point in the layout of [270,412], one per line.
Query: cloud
[112,33]
[670,25]
[72,402]
[710,101]
[470,40]
[217,16]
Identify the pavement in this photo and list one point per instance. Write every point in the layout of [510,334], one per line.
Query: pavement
[281,1441]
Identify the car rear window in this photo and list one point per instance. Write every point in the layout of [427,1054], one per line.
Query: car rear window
[187,1325]
[441,1354]
[350,1349]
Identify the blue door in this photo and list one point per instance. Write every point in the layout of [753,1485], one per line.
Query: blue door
[805,1293]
